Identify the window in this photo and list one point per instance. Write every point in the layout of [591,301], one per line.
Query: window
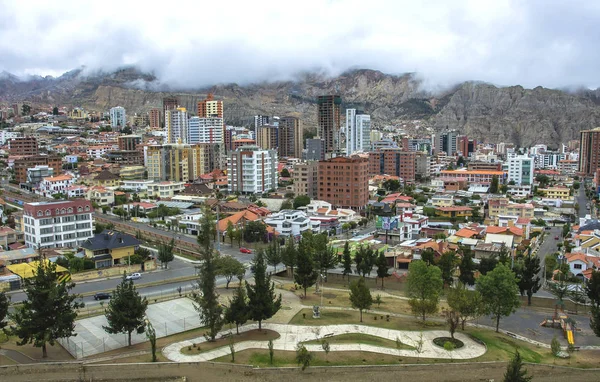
[63,211]
[70,210]
[47,212]
[577,266]
[79,209]
[40,213]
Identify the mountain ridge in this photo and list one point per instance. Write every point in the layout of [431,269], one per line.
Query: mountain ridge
[481,110]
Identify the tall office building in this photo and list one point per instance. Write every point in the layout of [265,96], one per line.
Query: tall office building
[466,146]
[358,131]
[118,119]
[176,125]
[589,152]
[267,137]
[315,149]
[251,170]
[520,170]
[205,130]
[290,137]
[344,182]
[210,107]
[446,142]
[329,120]
[260,120]
[154,118]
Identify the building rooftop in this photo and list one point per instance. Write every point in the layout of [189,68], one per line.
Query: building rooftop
[110,240]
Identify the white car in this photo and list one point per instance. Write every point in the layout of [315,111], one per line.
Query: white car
[133,276]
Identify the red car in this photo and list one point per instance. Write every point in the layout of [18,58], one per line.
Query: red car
[245,250]
[555,237]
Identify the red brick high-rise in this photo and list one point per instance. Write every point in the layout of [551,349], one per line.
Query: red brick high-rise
[329,120]
[23,146]
[154,118]
[589,152]
[393,161]
[344,182]
[466,146]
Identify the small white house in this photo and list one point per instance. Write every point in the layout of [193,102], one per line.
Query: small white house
[292,223]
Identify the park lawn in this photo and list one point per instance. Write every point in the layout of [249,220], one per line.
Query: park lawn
[337,317]
[5,361]
[359,338]
[143,358]
[501,347]
[252,335]
[260,358]
[55,353]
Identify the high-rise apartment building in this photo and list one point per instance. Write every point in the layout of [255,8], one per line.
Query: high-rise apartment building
[329,120]
[23,146]
[181,162]
[251,170]
[176,125]
[466,146]
[306,179]
[22,164]
[446,142]
[589,152]
[520,170]
[358,131]
[260,120]
[205,130]
[154,118]
[118,119]
[129,142]
[267,137]
[395,162]
[210,107]
[344,182]
[57,224]
[290,138]
[315,149]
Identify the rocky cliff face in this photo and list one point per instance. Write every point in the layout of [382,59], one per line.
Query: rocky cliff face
[483,111]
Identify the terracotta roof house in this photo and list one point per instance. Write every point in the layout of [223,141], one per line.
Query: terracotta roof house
[238,220]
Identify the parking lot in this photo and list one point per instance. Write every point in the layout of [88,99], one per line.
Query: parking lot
[168,318]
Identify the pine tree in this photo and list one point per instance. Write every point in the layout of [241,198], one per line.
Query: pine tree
[4,304]
[499,290]
[325,259]
[289,256]
[262,302]
[126,310]
[360,296]
[305,275]
[49,311]
[514,370]
[467,267]
[424,285]
[365,258]
[346,260]
[207,299]
[529,279]
[382,267]
[165,253]
[273,255]
[237,311]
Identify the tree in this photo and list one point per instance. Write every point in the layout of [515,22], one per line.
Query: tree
[326,348]
[326,259]
[49,311]
[346,260]
[230,231]
[4,304]
[237,311]
[514,370]
[559,289]
[262,302]
[391,185]
[287,205]
[453,319]
[255,231]
[25,109]
[271,351]
[529,279]
[360,296]
[206,299]
[151,335]
[467,268]
[382,267]
[487,264]
[428,256]
[595,321]
[126,310]
[467,303]
[592,289]
[499,290]
[165,253]
[289,255]
[447,264]
[303,356]
[273,255]
[285,173]
[305,275]
[229,267]
[365,258]
[424,285]
[494,185]
[55,110]
[566,230]
[301,201]
[555,346]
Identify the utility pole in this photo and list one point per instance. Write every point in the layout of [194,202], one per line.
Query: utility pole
[218,234]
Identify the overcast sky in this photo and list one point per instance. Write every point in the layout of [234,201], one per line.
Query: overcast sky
[529,42]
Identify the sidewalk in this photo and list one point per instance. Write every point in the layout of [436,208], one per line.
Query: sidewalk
[291,335]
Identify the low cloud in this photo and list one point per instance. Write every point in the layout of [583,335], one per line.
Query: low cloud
[196,44]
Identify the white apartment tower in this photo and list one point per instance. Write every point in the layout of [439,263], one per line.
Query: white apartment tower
[251,170]
[358,131]
[118,119]
[520,170]
[205,130]
[176,125]
[57,224]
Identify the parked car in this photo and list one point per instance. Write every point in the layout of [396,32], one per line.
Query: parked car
[101,296]
[555,237]
[245,250]
[133,276]
[547,228]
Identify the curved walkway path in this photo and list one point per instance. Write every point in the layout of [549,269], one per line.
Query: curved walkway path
[291,335]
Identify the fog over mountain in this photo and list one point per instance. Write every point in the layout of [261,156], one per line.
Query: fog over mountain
[194,44]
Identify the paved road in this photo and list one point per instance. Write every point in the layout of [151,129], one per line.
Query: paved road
[582,201]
